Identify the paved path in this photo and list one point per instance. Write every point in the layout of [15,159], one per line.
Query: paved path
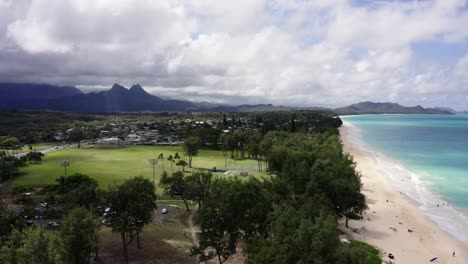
[193,230]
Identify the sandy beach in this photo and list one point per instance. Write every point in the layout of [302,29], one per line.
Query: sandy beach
[394,223]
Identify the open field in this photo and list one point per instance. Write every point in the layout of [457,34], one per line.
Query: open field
[111,164]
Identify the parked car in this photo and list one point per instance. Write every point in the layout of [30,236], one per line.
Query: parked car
[164,211]
[54,224]
[106,222]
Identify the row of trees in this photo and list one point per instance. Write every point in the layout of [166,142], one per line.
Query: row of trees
[9,165]
[263,122]
[292,216]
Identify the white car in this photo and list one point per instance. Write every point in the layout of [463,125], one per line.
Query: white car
[54,224]
[164,211]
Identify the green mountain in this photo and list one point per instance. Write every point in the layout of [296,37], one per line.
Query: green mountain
[386,108]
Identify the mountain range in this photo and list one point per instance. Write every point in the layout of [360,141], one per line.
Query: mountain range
[136,99]
[388,108]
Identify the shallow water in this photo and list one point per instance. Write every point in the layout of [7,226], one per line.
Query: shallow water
[426,157]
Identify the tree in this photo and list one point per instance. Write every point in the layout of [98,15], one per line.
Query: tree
[79,236]
[8,222]
[182,163]
[191,146]
[199,183]
[39,246]
[340,182]
[9,143]
[34,156]
[76,190]
[9,166]
[76,135]
[132,204]
[177,184]
[171,160]
[253,144]
[296,237]
[161,157]
[229,214]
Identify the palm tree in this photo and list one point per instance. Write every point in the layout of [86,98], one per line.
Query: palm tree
[171,160]
[177,157]
[161,157]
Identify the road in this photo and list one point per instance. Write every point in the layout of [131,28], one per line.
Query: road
[44,151]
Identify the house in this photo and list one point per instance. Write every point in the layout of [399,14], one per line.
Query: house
[132,139]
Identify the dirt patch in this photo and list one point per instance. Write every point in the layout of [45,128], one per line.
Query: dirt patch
[153,251]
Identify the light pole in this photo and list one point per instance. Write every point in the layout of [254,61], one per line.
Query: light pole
[65,164]
[154,162]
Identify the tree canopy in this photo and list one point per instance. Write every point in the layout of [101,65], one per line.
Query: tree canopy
[132,203]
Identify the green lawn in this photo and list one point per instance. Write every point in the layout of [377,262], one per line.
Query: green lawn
[110,164]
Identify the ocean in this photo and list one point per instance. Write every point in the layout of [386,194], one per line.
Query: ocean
[424,156]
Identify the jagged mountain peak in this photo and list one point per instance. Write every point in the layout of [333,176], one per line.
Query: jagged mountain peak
[117,87]
[136,88]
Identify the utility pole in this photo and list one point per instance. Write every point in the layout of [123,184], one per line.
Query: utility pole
[65,164]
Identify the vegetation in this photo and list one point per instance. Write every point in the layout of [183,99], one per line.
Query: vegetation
[75,242]
[79,236]
[32,245]
[110,165]
[288,215]
[194,187]
[34,157]
[191,146]
[132,206]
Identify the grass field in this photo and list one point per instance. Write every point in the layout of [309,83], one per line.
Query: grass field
[111,164]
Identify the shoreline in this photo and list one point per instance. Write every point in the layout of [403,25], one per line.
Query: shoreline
[394,222]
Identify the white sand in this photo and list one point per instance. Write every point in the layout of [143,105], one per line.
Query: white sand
[427,239]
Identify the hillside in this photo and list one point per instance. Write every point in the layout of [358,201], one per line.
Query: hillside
[136,99]
[27,95]
[386,108]
[119,99]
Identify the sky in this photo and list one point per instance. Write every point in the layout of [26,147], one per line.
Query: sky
[286,52]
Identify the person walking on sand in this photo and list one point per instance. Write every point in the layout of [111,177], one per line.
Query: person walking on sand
[453,254]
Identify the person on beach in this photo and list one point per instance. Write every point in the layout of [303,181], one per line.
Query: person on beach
[453,254]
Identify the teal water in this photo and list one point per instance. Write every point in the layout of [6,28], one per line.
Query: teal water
[433,151]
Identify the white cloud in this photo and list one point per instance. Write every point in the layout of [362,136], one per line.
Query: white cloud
[280,51]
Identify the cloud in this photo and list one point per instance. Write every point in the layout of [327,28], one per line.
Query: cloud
[291,52]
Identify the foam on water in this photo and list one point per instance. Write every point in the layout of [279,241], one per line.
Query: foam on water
[452,219]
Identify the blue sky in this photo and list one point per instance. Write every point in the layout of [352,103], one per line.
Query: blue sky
[289,52]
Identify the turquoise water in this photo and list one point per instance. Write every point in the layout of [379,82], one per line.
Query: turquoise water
[433,151]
